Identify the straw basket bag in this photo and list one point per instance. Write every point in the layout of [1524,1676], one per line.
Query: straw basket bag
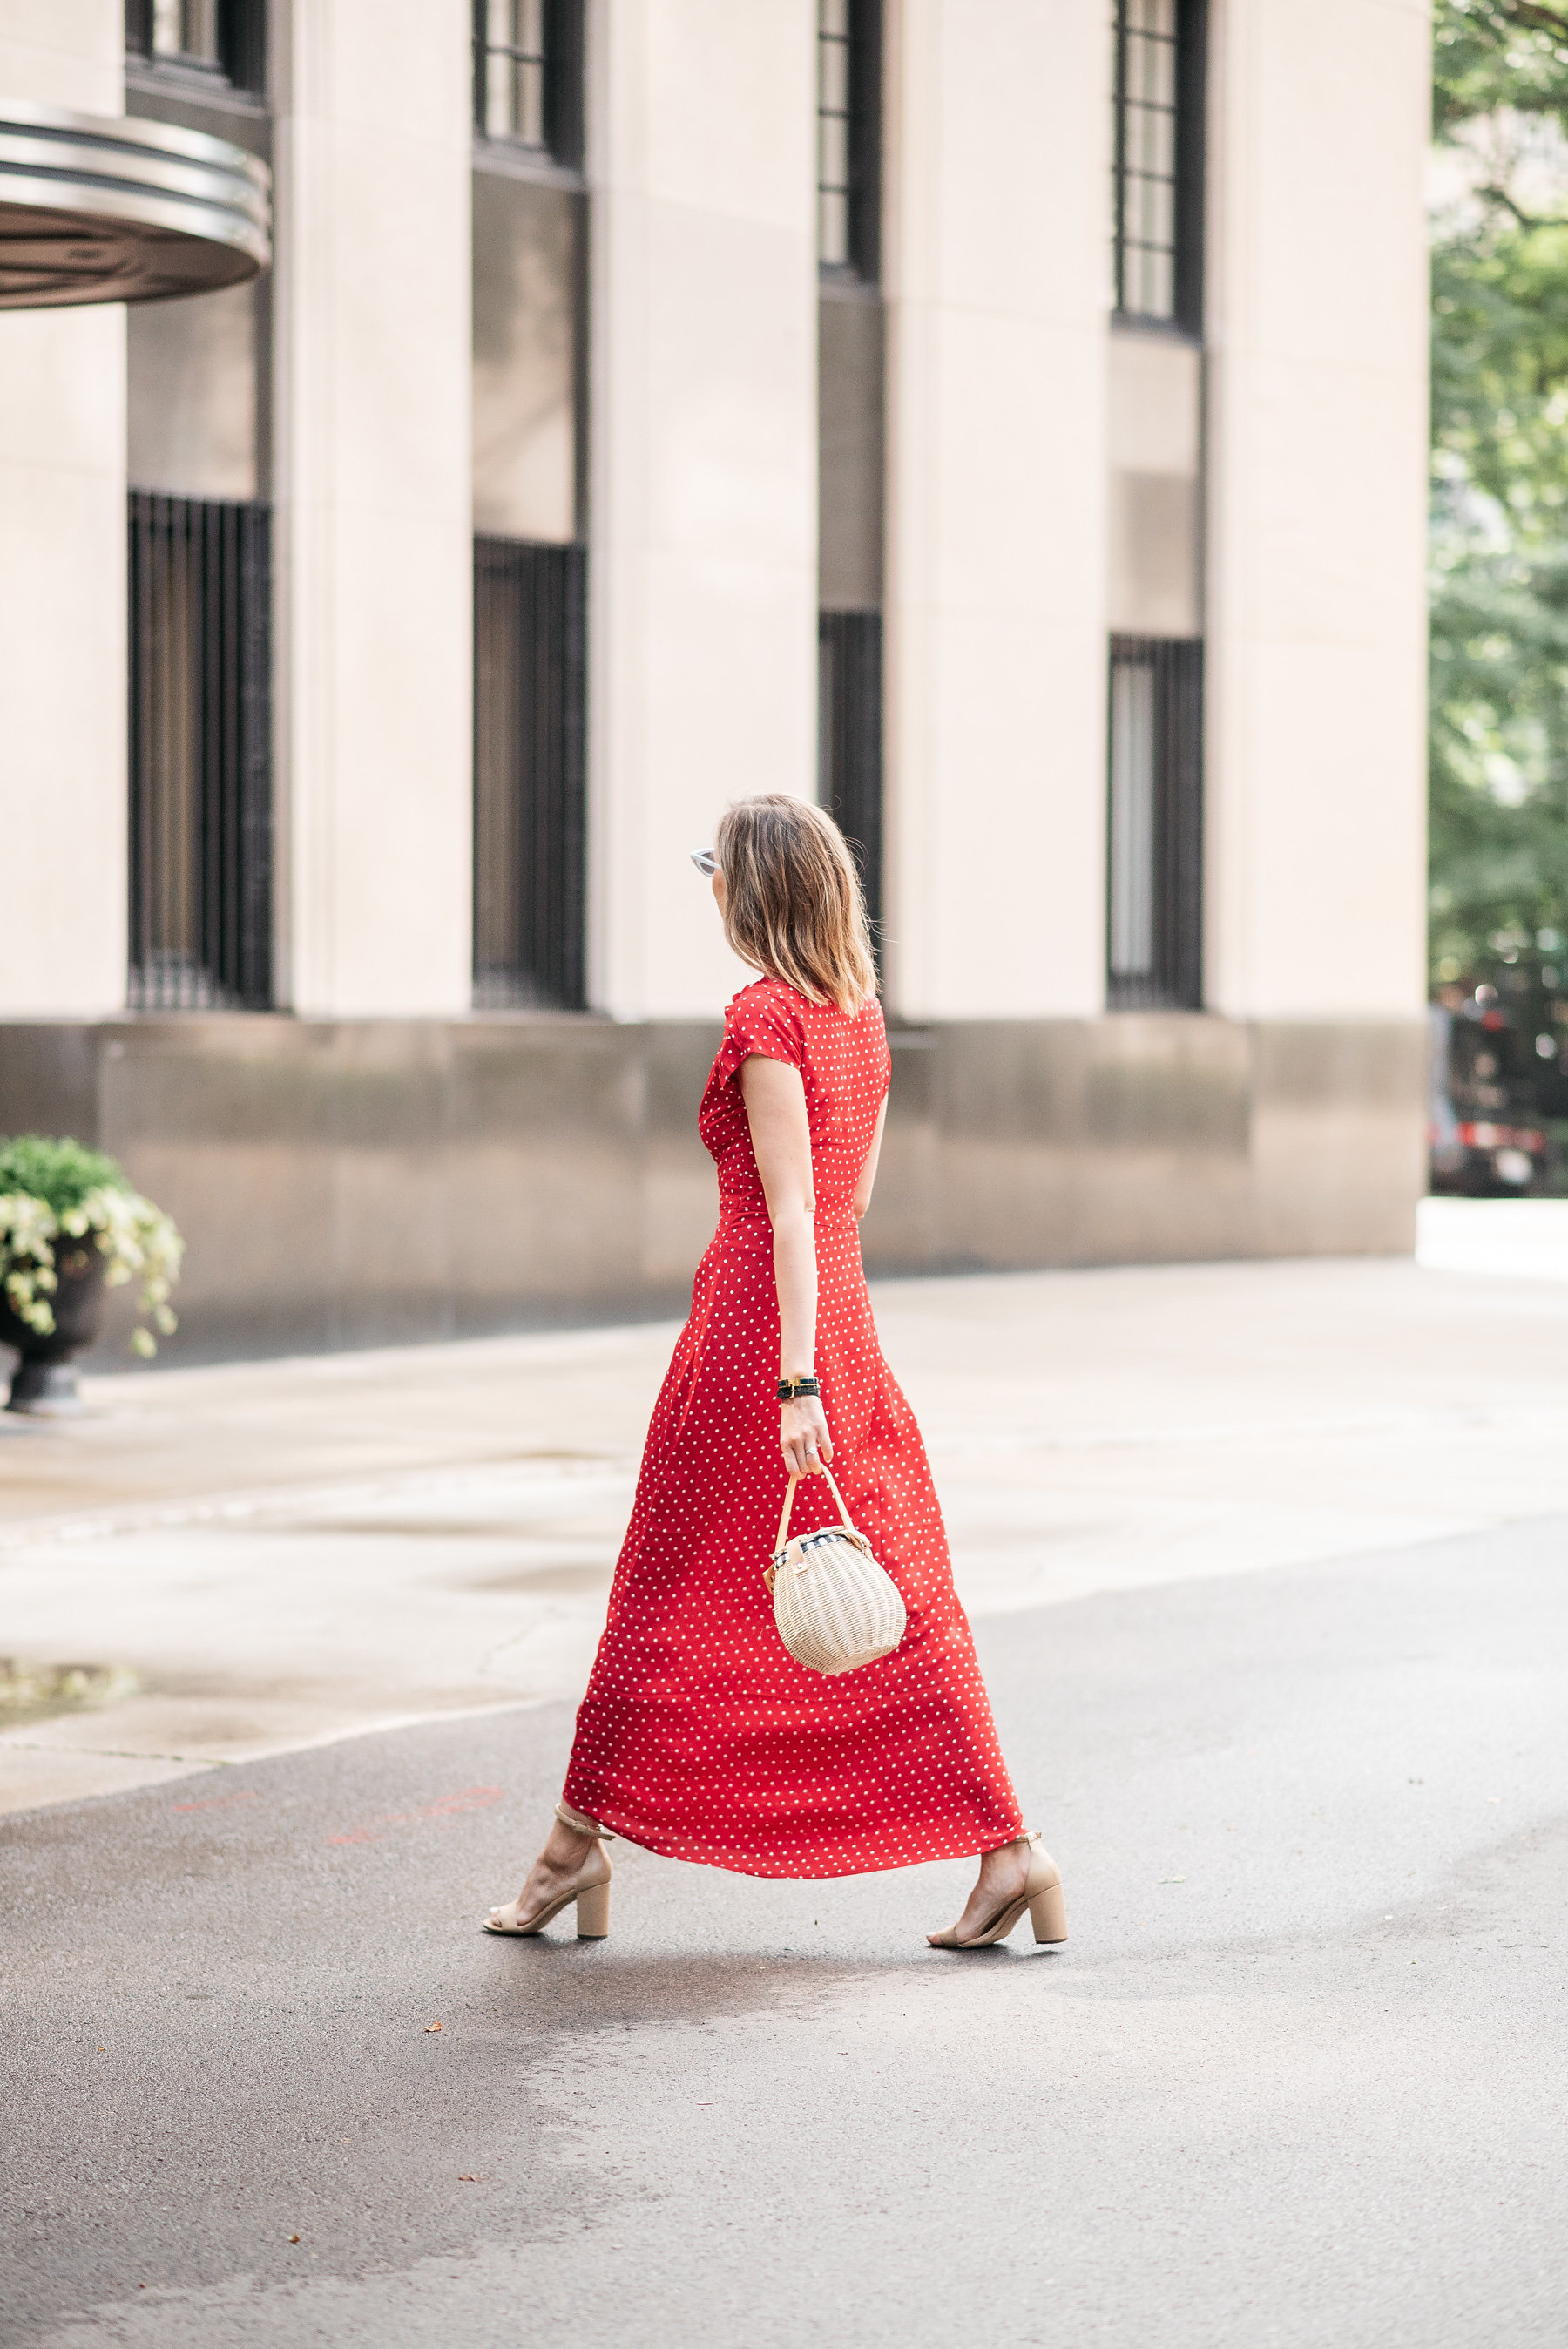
[834,1605]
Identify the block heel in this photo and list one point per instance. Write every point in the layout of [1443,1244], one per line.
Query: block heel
[1048,1914]
[593,1912]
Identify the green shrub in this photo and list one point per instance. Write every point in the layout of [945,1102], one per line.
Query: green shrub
[61,1172]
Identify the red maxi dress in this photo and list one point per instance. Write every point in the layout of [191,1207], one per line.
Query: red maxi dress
[700,1736]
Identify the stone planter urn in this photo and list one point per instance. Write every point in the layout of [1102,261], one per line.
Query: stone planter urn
[44,1384]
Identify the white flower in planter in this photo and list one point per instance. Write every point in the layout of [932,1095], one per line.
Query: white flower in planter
[135,1239]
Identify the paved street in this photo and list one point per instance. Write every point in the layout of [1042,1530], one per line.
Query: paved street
[1296,2078]
[1266,1564]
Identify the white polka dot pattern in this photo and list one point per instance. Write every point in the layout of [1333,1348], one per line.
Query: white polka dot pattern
[700,1736]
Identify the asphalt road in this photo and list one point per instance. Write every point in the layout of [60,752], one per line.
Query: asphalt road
[1298,2077]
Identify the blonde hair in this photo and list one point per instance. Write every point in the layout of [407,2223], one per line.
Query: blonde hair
[794,907]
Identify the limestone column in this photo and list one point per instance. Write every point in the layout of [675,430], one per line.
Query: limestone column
[998,156]
[374,505]
[1318,298]
[703,523]
[62,581]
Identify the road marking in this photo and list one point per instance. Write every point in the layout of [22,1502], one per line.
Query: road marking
[447,1806]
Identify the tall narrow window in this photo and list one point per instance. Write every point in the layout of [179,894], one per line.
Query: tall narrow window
[1155,913]
[850,431]
[1156,160]
[848,740]
[186,29]
[528,76]
[849,168]
[201,754]
[210,38]
[529,633]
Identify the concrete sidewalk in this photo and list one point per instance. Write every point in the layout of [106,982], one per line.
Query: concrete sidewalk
[289,1552]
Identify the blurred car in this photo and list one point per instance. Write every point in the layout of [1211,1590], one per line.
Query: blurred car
[1483,1131]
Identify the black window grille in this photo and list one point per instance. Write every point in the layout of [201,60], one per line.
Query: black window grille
[201,754]
[850,740]
[1158,73]
[528,76]
[530,708]
[849,136]
[221,39]
[1155,862]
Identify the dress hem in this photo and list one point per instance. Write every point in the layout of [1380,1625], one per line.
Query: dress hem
[960,1844]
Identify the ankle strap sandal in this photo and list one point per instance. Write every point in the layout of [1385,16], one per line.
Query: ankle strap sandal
[580,1825]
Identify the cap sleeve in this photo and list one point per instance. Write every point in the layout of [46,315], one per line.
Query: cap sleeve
[759,1024]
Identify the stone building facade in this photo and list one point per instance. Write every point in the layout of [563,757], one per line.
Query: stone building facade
[1005,421]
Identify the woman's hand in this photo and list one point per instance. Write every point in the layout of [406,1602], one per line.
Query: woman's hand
[803,1436]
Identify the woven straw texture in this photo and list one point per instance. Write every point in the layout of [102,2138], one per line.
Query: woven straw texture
[835,1606]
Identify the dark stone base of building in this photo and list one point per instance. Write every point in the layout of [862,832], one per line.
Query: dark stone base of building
[357,1183]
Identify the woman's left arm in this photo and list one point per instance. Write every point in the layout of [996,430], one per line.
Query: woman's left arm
[775,1101]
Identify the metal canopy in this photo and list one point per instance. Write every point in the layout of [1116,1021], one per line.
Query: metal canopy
[94,209]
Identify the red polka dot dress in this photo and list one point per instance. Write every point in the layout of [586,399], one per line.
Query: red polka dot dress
[700,1736]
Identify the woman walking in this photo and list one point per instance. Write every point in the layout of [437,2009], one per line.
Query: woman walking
[700,1737]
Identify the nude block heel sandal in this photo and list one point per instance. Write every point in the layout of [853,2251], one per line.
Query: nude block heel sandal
[1041,1896]
[590,1889]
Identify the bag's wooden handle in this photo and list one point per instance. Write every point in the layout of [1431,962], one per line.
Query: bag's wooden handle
[790,1503]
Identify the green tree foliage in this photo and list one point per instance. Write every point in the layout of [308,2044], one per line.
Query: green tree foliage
[1493,53]
[1500,509]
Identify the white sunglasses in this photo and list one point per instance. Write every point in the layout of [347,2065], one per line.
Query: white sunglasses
[707,863]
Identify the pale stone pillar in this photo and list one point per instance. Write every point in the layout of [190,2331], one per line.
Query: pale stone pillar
[1317,335]
[703,525]
[997,154]
[62,581]
[374,505]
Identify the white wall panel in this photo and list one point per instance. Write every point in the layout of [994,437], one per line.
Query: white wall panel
[64,53]
[1317,326]
[62,580]
[998,156]
[373,145]
[1155,452]
[703,500]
